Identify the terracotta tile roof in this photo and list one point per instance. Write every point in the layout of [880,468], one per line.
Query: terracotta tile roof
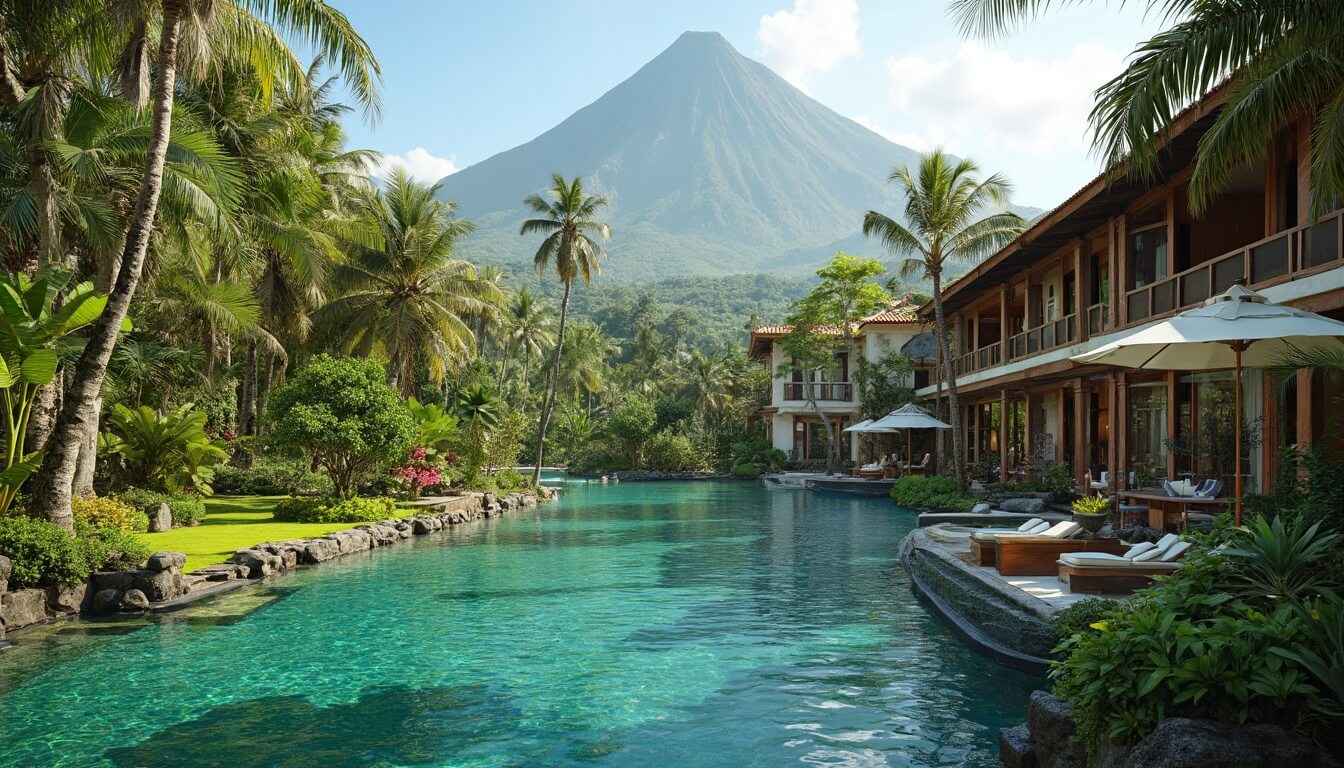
[773,330]
[898,311]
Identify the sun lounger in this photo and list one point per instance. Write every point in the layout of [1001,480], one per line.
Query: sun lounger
[1091,572]
[984,543]
[1038,555]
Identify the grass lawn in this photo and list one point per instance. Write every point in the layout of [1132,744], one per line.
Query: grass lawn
[231,523]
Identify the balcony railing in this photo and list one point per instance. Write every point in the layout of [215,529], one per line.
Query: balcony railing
[1276,258]
[842,391]
[987,356]
[1044,337]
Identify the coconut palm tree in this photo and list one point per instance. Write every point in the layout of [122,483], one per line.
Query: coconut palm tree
[584,369]
[1283,57]
[941,205]
[568,219]
[227,26]
[407,296]
[529,331]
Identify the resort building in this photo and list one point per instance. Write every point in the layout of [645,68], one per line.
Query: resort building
[1113,258]
[791,419]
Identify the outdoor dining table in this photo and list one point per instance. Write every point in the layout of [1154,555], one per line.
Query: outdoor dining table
[1162,507]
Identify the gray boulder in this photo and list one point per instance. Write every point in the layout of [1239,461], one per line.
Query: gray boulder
[1026,506]
[1052,728]
[157,586]
[259,563]
[221,572]
[160,518]
[166,561]
[319,550]
[22,607]
[106,601]
[1183,743]
[67,599]
[6,568]
[134,600]
[980,508]
[1016,749]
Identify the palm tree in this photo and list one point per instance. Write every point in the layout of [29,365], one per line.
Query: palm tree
[1283,57]
[529,327]
[409,293]
[941,229]
[237,31]
[708,380]
[584,369]
[567,220]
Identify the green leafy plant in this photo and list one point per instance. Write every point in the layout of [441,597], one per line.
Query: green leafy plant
[931,492]
[1057,480]
[1092,505]
[435,427]
[33,331]
[186,510]
[353,510]
[669,451]
[341,412]
[272,475]
[109,548]
[169,452]
[42,554]
[1088,615]
[1279,559]
[96,511]
[1323,652]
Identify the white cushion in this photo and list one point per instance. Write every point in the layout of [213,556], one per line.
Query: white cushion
[1062,530]
[1138,549]
[1183,487]
[1175,551]
[1091,558]
[1032,523]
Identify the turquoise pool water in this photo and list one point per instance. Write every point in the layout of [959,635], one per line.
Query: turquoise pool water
[686,624]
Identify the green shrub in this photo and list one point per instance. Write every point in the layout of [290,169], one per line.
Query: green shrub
[108,548]
[342,412]
[317,510]
[272,476]
[746,469]
[1207,642]
[509,480]
[760,453]
[95,511]
[1082,615]
[672,452]
[170,451]
[42,553]
[187,510]
[1058,481]
[932,492]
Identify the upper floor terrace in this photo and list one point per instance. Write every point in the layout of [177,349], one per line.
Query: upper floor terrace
[1121,253]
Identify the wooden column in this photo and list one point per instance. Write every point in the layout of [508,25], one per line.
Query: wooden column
[1003,435]
[1059,423]
[1173,419]
[1120,431]
[1005,330]
[1082,282]
[1119,268]
[1112,430]
[1270,432]
[1170,217]
[1303,171]
[1028,447]
[1304,421]
[1082,425]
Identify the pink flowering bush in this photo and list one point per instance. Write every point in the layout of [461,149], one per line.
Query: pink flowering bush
[420,471]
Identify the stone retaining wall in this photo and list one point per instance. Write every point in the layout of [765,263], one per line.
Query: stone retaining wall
[161,580]
[1018,625]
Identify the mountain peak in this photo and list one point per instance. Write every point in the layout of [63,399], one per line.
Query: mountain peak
[702,41]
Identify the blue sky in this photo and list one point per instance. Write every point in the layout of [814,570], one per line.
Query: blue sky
[465,80]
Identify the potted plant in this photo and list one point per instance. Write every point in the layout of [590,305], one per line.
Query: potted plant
[1092,512]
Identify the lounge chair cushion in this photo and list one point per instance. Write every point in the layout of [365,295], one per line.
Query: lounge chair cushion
[988,534]
[1030,524]
[1091,559]
[1061,530]
[1175,551]
[1138,549]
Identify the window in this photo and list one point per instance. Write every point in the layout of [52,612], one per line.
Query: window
[1148,255]
[1148,427]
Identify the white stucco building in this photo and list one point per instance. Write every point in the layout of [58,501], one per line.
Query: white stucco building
[792,422]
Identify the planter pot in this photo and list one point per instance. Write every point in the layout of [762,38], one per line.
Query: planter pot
[1091,523]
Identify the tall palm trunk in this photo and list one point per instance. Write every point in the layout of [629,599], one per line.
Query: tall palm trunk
[949,371]
[555,385]
[247,391]
[43,185]
[55,480]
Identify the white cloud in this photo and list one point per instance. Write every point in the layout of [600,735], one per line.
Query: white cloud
[418,162]
[983,98]
[813,37]
[921,142]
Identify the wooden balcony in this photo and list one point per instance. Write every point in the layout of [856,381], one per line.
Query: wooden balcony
[1044,337]
[841,391]
[1275,259]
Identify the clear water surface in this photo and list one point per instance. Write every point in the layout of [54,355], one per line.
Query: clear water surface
[671,624]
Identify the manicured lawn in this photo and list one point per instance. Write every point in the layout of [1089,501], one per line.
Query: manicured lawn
[231,523]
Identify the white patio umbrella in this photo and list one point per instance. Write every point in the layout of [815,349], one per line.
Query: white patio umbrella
[907,417]
[862,426]
[1234,329]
